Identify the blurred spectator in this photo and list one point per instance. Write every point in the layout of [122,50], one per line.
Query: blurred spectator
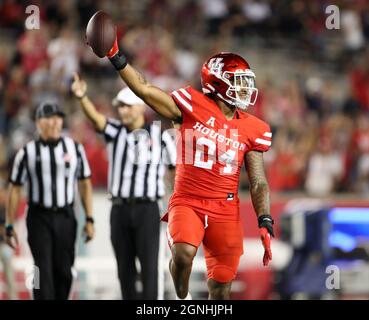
[64,57]
[360,154]
[12,14]
[187,63]
[325,169]
[360,82]
[351,107]
[59,12]
[319,97]
[280,101]
[257,14]
[16,95]
[352,29]
[161,13]
[32,48]
[313,90]
[214,11]
[365,21]
[43,86]
[188,17]
[285,170]
[291,16]
[257,11]
[235,21]
[86,9]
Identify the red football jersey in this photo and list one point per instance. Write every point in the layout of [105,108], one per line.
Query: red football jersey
[211,149]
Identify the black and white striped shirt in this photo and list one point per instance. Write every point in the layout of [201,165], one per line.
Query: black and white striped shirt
[51,171]
[138,159]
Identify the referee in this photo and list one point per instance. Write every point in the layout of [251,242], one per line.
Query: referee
[50,165]
[137,154]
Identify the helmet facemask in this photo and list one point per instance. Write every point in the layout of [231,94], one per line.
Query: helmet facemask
[241,88]
[229,77]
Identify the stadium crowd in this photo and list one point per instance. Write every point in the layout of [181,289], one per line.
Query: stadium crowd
[320,121]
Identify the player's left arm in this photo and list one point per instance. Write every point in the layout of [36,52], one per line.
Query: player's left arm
[259,186]
[260,195]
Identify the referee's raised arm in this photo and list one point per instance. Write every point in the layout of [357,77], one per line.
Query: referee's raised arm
[79,89]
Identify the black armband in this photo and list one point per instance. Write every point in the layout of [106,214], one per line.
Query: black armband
[90,219]
[119,61]
[266,221]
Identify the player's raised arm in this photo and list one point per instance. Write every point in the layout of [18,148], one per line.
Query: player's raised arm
[154,97]
[157,99]
[100,33]
[260,195]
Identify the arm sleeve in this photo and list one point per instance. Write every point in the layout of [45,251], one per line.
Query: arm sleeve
[261,139]
[183,99]
[170,152]
[111,130]
[83,170]
[18,174]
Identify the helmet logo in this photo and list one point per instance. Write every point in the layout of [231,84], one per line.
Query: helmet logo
[215,66]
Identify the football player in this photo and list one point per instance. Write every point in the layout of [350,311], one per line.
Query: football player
[215,137]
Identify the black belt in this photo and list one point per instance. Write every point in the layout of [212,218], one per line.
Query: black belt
[120,201]
[39,207]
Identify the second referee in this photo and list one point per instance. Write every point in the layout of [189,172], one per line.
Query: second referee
[138,154]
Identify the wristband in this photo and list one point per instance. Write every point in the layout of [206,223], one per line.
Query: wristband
[119,61]
[90,220]
[266,221]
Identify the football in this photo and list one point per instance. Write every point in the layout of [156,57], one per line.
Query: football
[100,33]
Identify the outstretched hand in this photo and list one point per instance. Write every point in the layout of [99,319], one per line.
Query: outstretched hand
[79,86]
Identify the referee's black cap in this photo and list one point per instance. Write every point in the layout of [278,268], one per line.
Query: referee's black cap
[47,109]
